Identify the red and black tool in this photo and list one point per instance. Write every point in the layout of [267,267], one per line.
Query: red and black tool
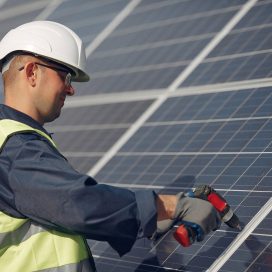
[186,234]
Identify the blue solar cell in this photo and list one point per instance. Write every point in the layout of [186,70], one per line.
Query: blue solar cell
[85,140]
[175,29]
[110,114]
[255,254]
[232,69]
[150,257]
[221,138]
[15,21]
[82,164]
[14,4]
[83,10]
[248,103]
[157,11]
[260,14]
[249,40]
[131,57]
[124,81]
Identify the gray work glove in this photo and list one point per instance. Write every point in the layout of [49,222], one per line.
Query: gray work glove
[197,213]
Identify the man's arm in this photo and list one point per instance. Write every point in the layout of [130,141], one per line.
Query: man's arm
[49,191]
[42,186]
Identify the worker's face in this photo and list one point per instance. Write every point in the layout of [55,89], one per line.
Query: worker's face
[52,93]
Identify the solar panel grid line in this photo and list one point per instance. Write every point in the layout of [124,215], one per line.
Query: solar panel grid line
[180,188]
[113,115]
[240,150]
[212,119]
[252,190]
[198,250]
[88,22]
[97,141]
[193,137]
[249,36]
[127,135]
[131,262]
[245,123]
[152,45]
[135,69]
[123,67]
[110,27]
[176,176]
[183,169]
[2,2]
[258,14]
[87,18]
[203,106]
[169,256]
[67,128]
[103,99]
[152,6]
[7,13]
[170,21]
[238,55]
[260,42]
[83,154]
[251,265]
[200,121]
[51,7]
[263,234]
[172,87]
[111,69]
[250,28]
[182,131]
[198,153]
[259,65]
[206,70]
[140,69]
[213,43]
[223,87]
[68,10]
[248,229]
[256,157]
[255,68]
[234,182]
[240,204]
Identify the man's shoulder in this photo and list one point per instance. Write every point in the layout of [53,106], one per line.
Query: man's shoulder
[29,142]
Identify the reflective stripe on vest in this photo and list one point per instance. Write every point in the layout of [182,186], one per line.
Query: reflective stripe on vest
[26,246]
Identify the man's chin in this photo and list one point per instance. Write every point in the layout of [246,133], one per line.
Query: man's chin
[53,117]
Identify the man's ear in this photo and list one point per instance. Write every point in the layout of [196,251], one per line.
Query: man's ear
[31,73]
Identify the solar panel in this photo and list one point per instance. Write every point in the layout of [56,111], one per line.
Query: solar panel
[244,54]
[181,90]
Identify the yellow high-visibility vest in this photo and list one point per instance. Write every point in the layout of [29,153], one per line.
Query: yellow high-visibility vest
[26,246]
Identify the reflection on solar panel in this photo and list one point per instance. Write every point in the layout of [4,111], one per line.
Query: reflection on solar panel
[180,96]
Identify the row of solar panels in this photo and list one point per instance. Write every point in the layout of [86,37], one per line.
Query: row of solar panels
[216,134]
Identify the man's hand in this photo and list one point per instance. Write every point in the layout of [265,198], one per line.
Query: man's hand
[172,209]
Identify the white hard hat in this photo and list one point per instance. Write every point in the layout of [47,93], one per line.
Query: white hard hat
[47,39]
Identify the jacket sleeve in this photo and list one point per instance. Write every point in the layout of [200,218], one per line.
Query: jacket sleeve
[49,191]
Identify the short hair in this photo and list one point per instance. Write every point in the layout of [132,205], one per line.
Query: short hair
[10,75]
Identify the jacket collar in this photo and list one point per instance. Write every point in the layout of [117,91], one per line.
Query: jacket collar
[7,112]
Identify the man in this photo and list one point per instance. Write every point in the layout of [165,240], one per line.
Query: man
[47,208]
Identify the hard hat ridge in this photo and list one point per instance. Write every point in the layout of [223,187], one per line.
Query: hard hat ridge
[50,40]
